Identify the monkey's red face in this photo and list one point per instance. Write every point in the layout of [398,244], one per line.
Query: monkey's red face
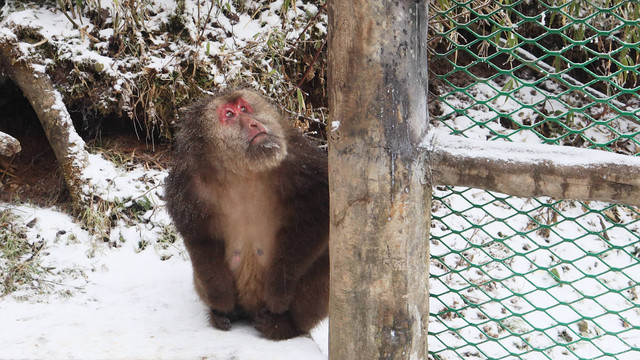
[240,114]
[248,124]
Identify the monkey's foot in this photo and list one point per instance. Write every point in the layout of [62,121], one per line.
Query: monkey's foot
[219,320]
[276,326]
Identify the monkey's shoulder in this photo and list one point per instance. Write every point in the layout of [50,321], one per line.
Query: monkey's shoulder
[304,152]
[305,166]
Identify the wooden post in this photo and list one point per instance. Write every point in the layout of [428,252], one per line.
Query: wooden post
[380,188]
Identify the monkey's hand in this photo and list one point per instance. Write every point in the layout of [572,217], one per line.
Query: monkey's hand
[219,320]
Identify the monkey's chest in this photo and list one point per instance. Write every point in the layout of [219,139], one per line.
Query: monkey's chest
[249,231]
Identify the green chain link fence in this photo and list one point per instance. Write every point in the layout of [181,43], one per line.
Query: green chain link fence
[516,278]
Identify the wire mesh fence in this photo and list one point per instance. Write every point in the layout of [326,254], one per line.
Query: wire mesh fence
[515,278]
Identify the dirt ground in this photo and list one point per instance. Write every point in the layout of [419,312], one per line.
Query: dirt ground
[33,176]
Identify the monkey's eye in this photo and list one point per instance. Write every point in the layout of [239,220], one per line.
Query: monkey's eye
[243,106]
[227,114]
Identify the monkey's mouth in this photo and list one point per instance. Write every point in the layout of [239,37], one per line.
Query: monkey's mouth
[259,137]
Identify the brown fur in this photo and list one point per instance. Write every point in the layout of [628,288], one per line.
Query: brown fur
[254,218]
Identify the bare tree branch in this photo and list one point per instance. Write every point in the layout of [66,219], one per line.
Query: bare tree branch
[529,170]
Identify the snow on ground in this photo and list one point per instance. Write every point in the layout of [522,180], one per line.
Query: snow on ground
[119,299]
[529,290]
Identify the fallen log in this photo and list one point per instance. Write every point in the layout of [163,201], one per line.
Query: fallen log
[37,87]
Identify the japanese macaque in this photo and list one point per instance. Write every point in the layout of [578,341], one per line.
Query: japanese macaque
[249,195]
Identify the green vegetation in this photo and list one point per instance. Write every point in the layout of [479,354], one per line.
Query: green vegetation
[19,259]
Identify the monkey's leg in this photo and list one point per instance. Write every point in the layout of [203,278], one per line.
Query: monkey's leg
[309,305]
[212,278]
[293,259]
[311,302]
